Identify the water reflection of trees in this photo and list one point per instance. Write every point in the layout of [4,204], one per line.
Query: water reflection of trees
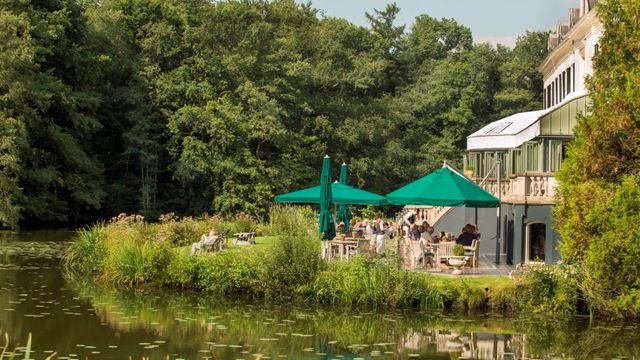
[187,319]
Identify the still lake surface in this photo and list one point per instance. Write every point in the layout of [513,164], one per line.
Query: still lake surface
[80,321]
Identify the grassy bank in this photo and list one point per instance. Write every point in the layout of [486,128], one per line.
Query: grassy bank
[284,265]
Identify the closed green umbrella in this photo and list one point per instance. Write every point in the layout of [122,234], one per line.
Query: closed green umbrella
[344,214]
[443,187]
[326,226]
[341,194]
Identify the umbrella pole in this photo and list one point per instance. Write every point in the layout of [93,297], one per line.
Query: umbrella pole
[499,212]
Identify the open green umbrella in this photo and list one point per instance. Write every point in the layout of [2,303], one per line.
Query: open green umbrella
[341,194]
[326,226]
[344,214]
[443,187]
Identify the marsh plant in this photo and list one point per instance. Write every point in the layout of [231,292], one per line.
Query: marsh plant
[285,264]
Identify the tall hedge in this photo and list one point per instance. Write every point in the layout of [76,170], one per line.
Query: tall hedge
[599,209]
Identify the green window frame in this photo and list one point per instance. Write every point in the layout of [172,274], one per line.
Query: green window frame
[532,156]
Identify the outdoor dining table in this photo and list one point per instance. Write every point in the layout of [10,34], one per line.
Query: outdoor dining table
[344,245]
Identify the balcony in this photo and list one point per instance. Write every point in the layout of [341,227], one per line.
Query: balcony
[528,188]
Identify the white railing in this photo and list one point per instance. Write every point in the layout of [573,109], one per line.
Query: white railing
[430,214]
[530,188]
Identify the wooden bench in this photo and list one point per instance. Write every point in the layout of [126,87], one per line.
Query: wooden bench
[245,238]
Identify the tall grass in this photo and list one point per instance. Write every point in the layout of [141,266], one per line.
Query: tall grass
[289,220]
[86,254]
[285,266]
[376,283]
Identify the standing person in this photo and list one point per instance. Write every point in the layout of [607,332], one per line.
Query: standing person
[402,240]
[388,230]
[416,250]
[408,220]
[379,235]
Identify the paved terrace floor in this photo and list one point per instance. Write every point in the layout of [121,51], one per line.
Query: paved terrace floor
[486,266]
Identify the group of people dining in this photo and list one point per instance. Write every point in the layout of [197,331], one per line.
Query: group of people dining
[415,240]
[377,231]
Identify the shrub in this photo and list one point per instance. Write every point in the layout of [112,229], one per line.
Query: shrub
[132,262]
[547,289]
[612,259]
[294,261]
[231,275]
[458,250]
[86,254]
[183,271]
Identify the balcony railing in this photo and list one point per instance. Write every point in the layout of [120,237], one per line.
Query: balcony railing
[535,188]
[529,188]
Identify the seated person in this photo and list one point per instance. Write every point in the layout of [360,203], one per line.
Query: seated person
[353,224]
[427,235]
[340,230]
[415,232]
[467,236]
[205,241]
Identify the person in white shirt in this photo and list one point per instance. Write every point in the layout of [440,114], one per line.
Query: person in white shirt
[379,235]
[205,241]
[408,220]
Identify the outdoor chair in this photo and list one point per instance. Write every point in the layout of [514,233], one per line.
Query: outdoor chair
[245,238]
[445,251]
[472,252]
[220,243]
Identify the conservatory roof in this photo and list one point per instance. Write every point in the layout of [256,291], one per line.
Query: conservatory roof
[506,133]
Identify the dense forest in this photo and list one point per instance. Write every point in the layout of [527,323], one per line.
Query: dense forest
[192,106]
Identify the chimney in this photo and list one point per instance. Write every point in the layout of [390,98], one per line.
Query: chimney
[553,41]
[574,16]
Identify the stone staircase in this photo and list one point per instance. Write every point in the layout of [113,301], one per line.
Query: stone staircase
[430,214]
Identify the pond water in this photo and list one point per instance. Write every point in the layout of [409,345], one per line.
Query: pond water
[80,321]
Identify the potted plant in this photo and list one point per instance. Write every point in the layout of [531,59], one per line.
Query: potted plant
[458,260]
[469,172]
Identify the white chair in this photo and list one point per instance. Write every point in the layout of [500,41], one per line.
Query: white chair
[445,251]
[472,252]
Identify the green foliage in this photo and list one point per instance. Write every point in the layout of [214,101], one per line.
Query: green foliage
[290,220]
[597,212]
[611,263]
[293,263]
[232,275]
[285,266]
[548,289]
[147,106]
[458,250]
[86,254]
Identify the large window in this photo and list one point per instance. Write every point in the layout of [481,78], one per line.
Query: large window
[516,161]
[556,155]
[532,156]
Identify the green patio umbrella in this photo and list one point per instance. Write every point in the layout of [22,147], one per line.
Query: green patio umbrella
[443,187]
[341,194]
[344,214]
[326,226]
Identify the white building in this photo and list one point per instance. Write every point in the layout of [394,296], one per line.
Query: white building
[531,146]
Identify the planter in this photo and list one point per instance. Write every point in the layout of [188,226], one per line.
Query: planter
[457,262]
[469,174]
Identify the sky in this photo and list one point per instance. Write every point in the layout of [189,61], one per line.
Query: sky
[494,21]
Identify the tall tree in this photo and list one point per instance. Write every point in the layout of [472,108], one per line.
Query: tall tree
[598,211]
[47,93]
[520,79]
